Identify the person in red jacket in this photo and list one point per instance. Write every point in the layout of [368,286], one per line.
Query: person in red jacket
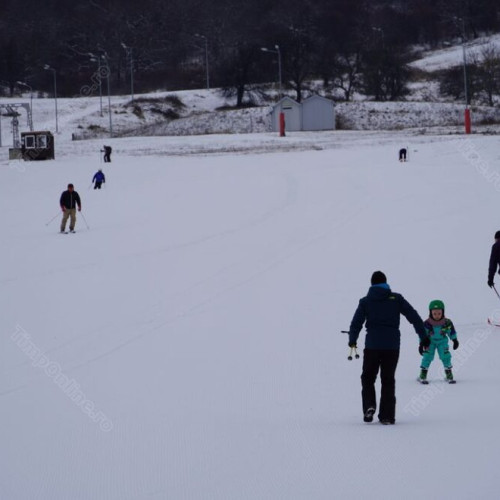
[69,200]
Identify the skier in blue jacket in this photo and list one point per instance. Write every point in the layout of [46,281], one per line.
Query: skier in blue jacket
[381,310]
[439,329]
[98,178]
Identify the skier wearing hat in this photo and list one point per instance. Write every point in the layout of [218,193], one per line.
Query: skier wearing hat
[98,178]
[439,329]
[381,310]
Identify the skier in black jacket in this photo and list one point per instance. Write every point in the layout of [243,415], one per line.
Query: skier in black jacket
[381,310]
[69,200]
[107,153]
[494,259]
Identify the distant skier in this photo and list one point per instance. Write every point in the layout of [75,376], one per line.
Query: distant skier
[439,329]
[107,153]
[402,154]
[69,201]
[99,178]
[381,310]
[494,259]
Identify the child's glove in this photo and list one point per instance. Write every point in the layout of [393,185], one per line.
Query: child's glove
[424,344]
[455,344]
[490,283]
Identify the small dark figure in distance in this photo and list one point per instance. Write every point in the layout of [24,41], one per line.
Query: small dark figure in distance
[99,179]
[494,260]
[68,201]
[380,312]
[107,154]
[402,154]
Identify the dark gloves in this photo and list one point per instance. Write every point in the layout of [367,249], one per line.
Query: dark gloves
[424,344]
[490,283]
[455,344]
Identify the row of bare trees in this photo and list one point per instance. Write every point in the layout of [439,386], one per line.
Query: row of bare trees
[348,45]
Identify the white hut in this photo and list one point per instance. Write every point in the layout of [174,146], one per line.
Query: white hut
[293,115]
[318,113]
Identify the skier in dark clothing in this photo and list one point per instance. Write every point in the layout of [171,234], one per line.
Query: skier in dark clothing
[381,310]
[494,259]
[107,154]
[69,201]
[402,154]
[99,178]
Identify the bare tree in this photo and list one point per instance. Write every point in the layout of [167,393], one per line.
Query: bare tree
[489,71]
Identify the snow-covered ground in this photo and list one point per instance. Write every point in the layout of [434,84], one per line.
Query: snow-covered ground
[187,345]
[435,60]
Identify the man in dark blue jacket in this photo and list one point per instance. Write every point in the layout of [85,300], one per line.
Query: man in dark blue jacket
[381,310]
[494,259]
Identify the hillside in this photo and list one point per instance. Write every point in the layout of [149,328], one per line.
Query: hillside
[204,111]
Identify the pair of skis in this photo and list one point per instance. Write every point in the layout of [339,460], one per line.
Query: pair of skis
[426,382]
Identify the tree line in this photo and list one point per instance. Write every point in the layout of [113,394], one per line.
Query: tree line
[348,45]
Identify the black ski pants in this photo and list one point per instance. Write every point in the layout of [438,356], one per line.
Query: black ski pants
[386,361]
[98,184]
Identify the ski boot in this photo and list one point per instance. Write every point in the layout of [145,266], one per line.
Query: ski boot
[449,376]
[368,416]
[423,376]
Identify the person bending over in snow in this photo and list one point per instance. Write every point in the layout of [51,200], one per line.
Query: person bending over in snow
[381,310]
[107,153]
[439,329]
[402,154]
[99,179]
[494,259]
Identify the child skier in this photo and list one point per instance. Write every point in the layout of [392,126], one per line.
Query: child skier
[438,328]
[99,178]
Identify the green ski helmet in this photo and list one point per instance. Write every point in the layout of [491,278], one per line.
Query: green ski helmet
[436,304]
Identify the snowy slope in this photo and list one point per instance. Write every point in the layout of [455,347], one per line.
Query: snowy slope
[435,60]
[188,346]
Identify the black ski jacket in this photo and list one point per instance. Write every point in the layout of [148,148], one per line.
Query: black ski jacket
[381,309]
[494,260]
[69,199]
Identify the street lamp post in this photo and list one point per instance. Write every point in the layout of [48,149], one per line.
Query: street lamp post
[128,51]
[206,57]
[277,51]
[31,102]
[48,68]
[105,57]
[467,119]
[467,110]
[97,59]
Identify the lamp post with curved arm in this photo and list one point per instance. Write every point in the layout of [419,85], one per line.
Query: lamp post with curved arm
[277,51]
[48,68]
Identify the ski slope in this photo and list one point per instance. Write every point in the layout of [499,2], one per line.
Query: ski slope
[187,345]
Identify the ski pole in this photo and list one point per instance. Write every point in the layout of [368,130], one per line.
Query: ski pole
[494,288]
[47,223]
[83,217]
